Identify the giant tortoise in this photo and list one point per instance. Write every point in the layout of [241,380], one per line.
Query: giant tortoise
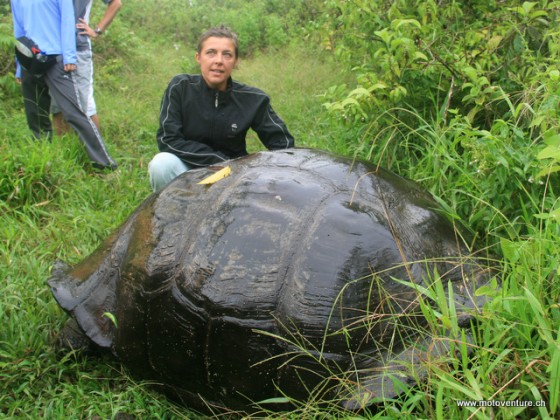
[300,274]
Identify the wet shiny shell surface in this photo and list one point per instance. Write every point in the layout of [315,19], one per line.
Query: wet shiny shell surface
[226,292]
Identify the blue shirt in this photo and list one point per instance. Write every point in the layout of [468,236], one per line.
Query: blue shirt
[51,24]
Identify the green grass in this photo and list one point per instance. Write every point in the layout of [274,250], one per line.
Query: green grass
[53,207]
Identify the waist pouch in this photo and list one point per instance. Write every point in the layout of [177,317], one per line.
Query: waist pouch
[32,58]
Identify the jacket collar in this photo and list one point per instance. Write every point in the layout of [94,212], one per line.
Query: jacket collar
[222,95]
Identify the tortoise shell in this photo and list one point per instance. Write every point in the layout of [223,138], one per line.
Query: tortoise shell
[280,279]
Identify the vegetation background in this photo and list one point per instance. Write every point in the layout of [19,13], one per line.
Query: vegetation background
[461,96]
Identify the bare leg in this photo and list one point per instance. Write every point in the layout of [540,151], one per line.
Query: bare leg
[95,119]
[61,127]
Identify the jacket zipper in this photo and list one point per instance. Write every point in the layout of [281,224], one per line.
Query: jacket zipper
[214,118]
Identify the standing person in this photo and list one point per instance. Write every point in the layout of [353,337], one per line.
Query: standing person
[84,71]
[204,118]
[51,25]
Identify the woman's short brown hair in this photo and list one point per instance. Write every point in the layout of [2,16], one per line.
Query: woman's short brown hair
[221,31]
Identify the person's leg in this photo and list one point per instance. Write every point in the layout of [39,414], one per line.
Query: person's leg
[60,125]
[95,119]
[64,90]
[36,101]
[83,77]
[163,168]
[85,59]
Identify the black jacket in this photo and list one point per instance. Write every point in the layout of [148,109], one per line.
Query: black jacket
[203,126]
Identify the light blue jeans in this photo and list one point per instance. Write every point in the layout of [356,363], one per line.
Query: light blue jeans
[164,168]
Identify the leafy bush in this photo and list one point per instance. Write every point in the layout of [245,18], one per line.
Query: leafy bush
[463,97]
[260,24]
[472,59]
[483,77]
[8,88]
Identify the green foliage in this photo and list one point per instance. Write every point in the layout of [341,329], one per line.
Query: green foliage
[260,24]
[8,87]
[32,174]
[452,95]
[464,99]
[483,175]
[469,59]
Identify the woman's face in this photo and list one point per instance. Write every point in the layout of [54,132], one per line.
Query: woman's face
[217,60]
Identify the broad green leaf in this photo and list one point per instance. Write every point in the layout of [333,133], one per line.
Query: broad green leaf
[548,171]
[552,140]
[549,152]
[413,22]
[555,214]
[494,42]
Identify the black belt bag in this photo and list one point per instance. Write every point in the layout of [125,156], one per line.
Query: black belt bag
[32,58]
